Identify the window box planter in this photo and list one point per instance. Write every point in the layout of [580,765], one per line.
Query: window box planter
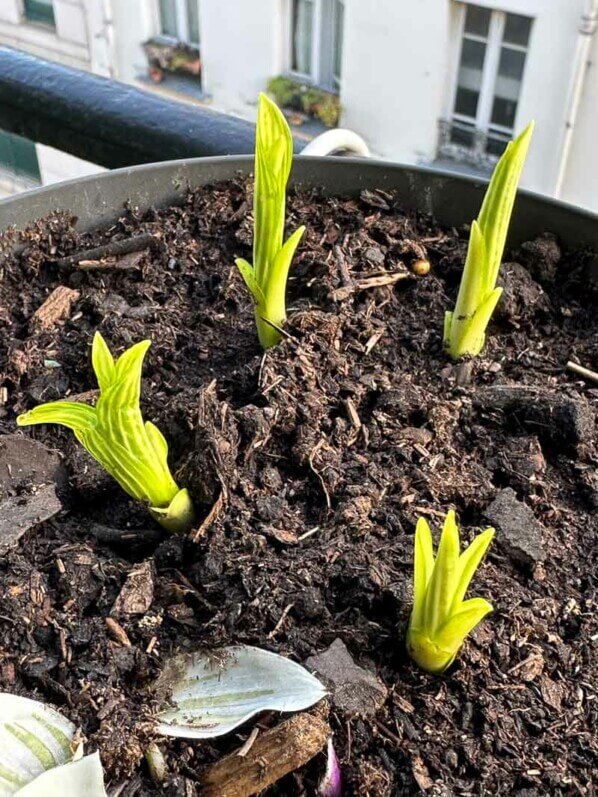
[166,55]
[309,466]
[294,95]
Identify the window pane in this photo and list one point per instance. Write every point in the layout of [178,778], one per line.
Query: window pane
[18,155]
[517,29]
[472,56]
[508,86]
[477,20]
[462,135]
[496,143]
[39,11]
[466,102]
[503,112]
[469,80]
[168,18]
[303,12]
[193,20]
[339,21]
[511,66]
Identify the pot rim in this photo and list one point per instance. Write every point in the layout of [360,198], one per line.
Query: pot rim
[453,198]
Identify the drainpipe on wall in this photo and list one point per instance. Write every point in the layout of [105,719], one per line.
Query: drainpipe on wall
[587,29]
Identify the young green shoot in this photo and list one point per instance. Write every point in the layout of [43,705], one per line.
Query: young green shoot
[441,619]
[132,451]
[465,326]
[267,278]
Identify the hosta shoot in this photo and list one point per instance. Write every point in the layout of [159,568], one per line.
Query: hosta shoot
[441,619]
[266,279]
[465,327]
[134,452]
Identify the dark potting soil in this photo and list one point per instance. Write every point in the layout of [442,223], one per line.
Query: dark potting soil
[309,467]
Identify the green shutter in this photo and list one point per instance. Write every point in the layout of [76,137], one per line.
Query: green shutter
[18,155]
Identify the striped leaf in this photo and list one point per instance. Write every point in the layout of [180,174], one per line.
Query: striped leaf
[132,451]
[33,739]
[266,278]
[465,326]
[210,695]
[83,778]
[441,619]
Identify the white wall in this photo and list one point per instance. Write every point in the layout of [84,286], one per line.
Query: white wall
[581,180]
[67,44]
[132,22]
[394,62]
[55,166]
[241,50]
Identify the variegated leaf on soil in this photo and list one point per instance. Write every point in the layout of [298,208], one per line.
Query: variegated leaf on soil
[83,778]
[210,695]
[33,739]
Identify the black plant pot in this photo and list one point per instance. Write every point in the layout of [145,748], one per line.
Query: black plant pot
[97,200]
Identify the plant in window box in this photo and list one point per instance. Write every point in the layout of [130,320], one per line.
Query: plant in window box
[168,55]
[297,96]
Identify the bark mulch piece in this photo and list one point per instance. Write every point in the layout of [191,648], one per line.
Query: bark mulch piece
[310,466]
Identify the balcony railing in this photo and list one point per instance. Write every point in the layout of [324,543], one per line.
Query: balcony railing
[107,122]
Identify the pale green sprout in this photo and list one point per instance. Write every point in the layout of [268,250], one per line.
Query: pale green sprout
[465,327]
[134,452]
[267,278]
[441,619]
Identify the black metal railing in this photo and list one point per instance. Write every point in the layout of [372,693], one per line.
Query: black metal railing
[108,122]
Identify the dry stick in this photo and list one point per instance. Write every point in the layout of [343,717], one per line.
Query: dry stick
[110,249]
[210,518]
[244,751]
[273,755]
[592,376]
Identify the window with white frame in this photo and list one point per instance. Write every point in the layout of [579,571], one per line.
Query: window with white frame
[317,41]
[488,82]
[180,20]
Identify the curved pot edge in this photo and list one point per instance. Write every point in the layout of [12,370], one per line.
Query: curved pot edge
[453,199]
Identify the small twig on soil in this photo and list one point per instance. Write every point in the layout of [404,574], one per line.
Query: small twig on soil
[308,533]
[382,280]
[312,455]
[372,341]
[278,625]
[353,414]
[243,751]
[122,263]
[117,632]
[341,262]
[392,737]
[111,249]
[592,376]
[375,281]
[280,330]
[273,755]
[209,519]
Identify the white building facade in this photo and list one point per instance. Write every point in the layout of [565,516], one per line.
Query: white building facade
[440,82]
